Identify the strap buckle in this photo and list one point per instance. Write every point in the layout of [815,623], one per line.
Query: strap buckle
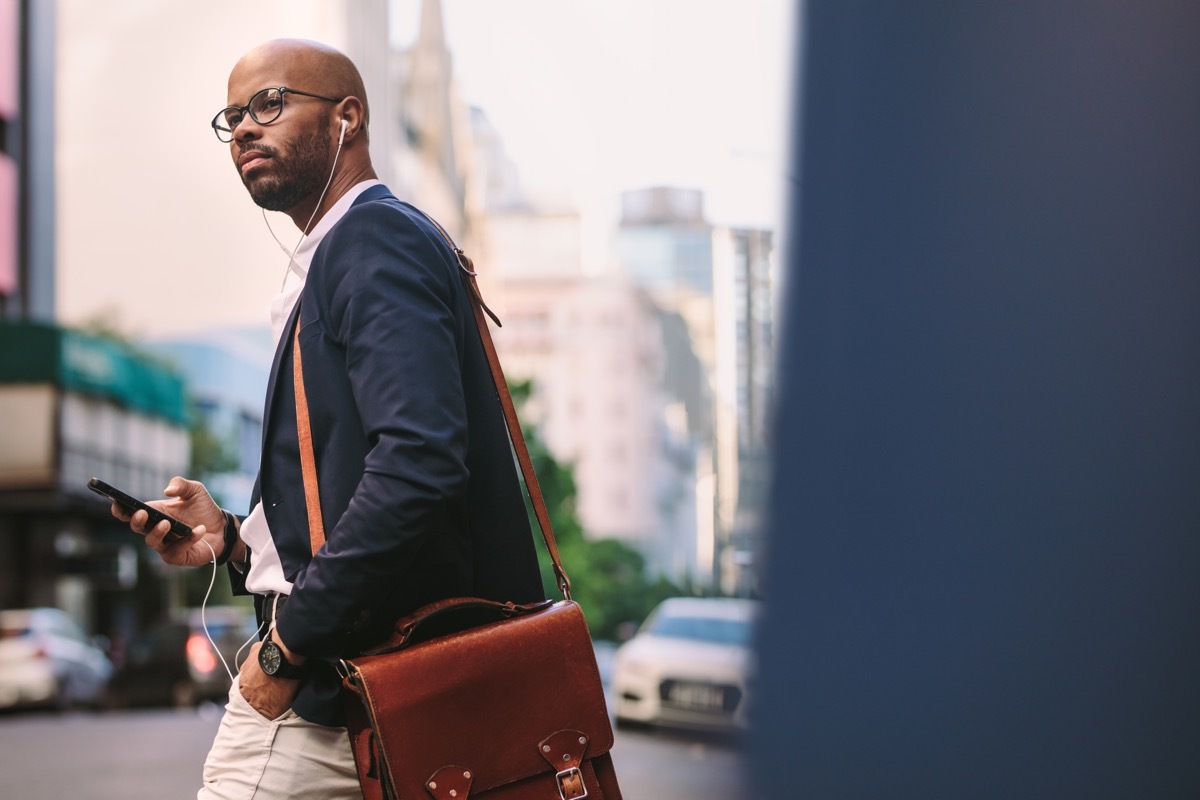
[570,784]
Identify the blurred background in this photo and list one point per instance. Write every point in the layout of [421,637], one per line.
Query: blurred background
[617,172]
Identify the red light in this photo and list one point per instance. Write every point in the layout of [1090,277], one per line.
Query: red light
[200,654]
[42,651]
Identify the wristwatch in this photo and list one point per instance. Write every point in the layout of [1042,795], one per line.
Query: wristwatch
[271,659]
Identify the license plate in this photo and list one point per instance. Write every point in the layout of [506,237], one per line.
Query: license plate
[695,696]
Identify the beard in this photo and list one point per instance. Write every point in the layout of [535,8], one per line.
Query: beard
[298,175]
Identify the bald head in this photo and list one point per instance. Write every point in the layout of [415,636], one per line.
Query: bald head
[307,65]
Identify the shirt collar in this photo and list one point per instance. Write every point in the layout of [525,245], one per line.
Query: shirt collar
[304,253]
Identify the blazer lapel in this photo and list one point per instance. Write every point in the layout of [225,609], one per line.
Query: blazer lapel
[284,345]
[376,192]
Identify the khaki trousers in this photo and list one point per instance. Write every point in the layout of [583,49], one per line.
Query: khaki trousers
[255,758]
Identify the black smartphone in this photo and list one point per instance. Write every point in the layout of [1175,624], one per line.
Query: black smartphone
[178,529]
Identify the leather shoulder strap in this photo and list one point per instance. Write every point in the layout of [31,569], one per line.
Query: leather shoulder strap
[308,465]
[308,461]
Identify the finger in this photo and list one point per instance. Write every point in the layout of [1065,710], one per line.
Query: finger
[154,536]
[138,521]
[120,512]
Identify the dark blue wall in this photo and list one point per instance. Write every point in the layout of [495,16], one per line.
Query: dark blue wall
[984,566]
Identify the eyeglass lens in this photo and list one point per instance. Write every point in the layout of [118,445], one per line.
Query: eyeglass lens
[265,107]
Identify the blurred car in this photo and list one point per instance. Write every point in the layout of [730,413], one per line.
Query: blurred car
[47,660]
[173,663]
[691,664]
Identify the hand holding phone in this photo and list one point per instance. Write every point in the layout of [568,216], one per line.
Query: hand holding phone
[179,530]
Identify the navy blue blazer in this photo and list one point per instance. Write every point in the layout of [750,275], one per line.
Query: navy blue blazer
[418,484]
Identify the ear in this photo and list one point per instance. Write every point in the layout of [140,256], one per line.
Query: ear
[351,121]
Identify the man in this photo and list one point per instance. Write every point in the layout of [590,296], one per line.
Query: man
[418,490]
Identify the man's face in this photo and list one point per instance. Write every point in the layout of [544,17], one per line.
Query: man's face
[287,161]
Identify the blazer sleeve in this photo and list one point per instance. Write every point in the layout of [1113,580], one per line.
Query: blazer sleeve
[390,307]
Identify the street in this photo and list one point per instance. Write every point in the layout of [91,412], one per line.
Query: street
[157,754]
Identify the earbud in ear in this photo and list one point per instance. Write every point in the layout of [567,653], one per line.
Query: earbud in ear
[342,135]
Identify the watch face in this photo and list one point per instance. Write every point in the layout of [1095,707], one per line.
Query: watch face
[270,658]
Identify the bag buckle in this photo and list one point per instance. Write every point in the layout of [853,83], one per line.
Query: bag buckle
[570,784]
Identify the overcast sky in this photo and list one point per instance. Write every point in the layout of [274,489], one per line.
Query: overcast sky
[605,95]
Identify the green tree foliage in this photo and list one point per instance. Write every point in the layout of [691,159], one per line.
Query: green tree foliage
[608,577]
[211,455]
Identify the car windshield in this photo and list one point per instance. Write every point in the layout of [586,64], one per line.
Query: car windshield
[701,629]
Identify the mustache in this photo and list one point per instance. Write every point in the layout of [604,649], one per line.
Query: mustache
[257,147]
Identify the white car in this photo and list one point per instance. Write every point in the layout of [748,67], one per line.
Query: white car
[46,660]
[691,664]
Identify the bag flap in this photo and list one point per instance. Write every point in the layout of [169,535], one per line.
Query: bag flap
[486,699]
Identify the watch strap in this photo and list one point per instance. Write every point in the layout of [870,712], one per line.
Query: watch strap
[230,537]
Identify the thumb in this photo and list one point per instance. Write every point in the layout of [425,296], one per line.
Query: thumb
[183,488]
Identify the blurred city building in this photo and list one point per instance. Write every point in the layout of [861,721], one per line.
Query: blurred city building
[719,282]
[77,406]
[27,132]
[10,70]
[72,405]
[602,356]
[430,132]
[744,300]
[596,352]
[653,380]
[226,372]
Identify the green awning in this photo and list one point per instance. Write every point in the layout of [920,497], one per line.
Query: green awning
[32,352]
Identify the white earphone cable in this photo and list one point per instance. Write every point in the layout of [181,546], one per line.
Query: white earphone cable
[204,622]
[271,230]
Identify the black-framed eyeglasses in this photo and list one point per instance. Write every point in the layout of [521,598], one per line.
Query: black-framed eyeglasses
[264,108]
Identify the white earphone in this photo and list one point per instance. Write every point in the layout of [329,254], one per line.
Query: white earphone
[342,135]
